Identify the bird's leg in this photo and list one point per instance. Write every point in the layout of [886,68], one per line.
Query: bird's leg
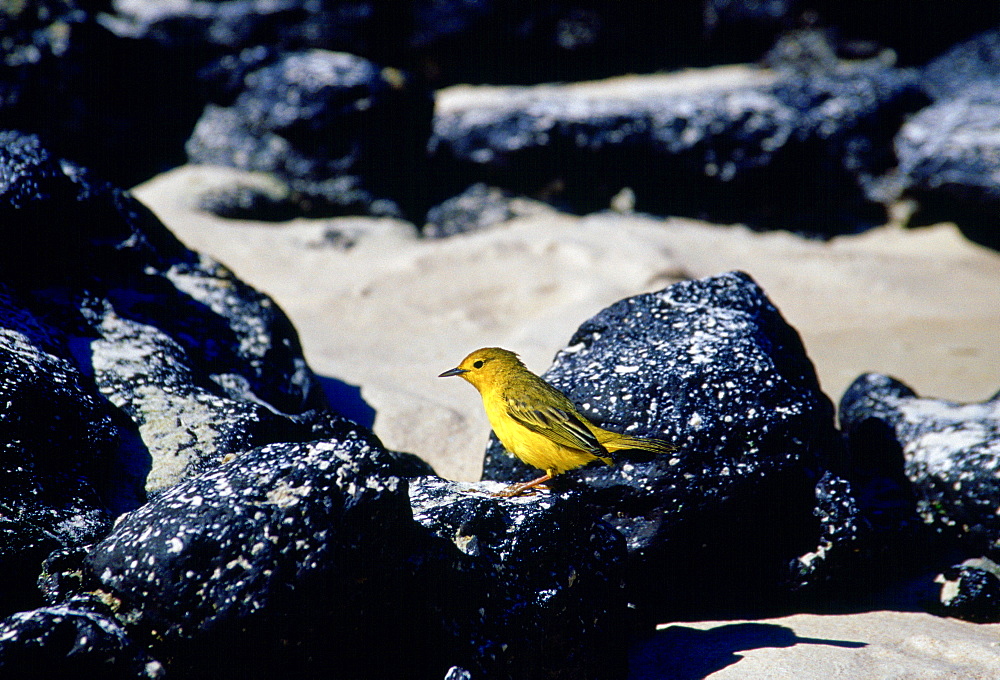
[518,489]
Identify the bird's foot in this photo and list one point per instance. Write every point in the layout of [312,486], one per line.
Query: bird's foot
[515,490]
[518,489]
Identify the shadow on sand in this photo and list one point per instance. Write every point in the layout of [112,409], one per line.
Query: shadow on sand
[346,400]
[683,653]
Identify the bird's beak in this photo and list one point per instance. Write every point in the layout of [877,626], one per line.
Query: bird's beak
[453,371]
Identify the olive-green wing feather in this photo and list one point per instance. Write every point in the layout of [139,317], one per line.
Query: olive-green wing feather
[561,425]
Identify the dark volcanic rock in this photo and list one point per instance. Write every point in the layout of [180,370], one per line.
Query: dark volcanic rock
[709,148]
[478,207]
[224,28]
[92,96]
[869,532]
[951,453]
[60,446]
[457,673]
[971,591]
[915,31]
[970,66]
[196,364]
[523,588]
[344,134]
[500,41]
[949,153]
[711,366]
[290,555]
[131,364]
[62,442]
[77,639]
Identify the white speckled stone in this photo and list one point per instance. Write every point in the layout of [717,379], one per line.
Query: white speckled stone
[295,538]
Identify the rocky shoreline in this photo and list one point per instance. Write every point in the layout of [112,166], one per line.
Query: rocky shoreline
[227,453]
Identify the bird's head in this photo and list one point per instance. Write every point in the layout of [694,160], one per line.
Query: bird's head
[484,366]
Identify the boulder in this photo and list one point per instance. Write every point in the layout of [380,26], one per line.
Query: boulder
[291,555]
[521,588]
[478,207]
[79,638]
[971,591]
[948,152]
[949,454]
[711,367]
[91,95]
[705,143]
[345,135]
[183,364]
[217,33]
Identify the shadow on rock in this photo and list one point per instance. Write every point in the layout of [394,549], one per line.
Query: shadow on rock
[686,653]
[978,224]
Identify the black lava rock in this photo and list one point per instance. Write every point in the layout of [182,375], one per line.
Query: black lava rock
[971,591]
[188,363]
[711,150]
[344,134]
[457,673]
[951,452]
[841,526]
[92,96]
[522,588]
[712,367]
[216,33]
[949,156]
[869,536]
[290,555]
[61,441]
[930,26]
[970,66]
[59,436]
[500,41]
[478,207]
[77,639]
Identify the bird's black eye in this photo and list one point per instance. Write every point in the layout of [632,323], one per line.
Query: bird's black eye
[477,364]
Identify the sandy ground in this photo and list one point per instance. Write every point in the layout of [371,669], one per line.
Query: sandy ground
[878,645]
[382,310]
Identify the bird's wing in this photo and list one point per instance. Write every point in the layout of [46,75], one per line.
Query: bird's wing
[558,424]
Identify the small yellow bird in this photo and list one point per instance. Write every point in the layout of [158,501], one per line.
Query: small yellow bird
[538,423]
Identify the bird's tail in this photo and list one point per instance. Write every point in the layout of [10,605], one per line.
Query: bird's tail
[621,442]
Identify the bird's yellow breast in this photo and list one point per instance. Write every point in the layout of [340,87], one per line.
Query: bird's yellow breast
[530,447]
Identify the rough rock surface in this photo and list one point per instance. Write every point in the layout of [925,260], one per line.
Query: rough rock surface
[61,441]
[78,638]
[524,588]
[712,367]
[195,363]
[478,207]
[950,450]
[56,61]
[290,554]
[949,156]
[342,133]
[716,135]
[971,591]
[60,450]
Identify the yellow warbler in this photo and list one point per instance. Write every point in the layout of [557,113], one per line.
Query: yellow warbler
[538,423]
